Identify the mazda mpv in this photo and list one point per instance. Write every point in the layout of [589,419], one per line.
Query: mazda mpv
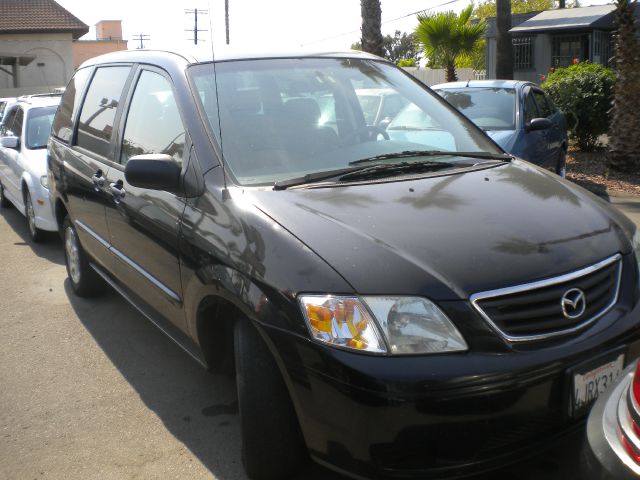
[391,307]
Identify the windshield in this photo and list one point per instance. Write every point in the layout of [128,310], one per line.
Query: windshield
[489,108]
[285,118]
[39,126]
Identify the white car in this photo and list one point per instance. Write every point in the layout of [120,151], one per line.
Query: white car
[23,161]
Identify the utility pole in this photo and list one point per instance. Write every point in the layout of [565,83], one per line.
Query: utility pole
[140,38]
[195,30]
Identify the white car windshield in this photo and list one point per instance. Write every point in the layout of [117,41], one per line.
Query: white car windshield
[39,122]
[278,119]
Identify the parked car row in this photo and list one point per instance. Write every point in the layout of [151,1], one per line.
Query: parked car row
[24,134]
[398,297]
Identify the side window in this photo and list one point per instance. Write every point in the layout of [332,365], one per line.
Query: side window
[153,121]
[63,122]
[5,131]
[99,109]
[543,105]
[530,109]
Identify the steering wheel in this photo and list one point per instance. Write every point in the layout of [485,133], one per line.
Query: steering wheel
[372,132]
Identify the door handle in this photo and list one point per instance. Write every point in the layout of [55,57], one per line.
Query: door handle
[117,190]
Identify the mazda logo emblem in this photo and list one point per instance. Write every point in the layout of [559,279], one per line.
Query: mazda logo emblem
[574,303]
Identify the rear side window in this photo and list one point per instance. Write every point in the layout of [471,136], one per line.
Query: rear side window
[153,122]
[63,123]
[99,109]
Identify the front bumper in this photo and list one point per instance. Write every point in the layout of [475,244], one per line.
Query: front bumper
[441,416]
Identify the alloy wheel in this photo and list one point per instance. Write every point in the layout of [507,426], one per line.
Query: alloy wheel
[71,248]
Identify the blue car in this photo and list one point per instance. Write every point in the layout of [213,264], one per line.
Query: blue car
[517,115]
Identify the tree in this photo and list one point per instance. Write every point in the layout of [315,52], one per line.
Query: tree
[487,9]
[371,26]
[504,47]
[447,37]
[400,46]
[624,141]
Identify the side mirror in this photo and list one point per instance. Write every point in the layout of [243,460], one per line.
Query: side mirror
[538,124]
[384,123]
[153,171]
[10,142]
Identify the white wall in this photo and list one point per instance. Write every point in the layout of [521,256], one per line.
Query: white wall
[432,76]
[54,50]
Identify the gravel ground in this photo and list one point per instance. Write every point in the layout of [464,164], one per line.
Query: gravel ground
[589,169]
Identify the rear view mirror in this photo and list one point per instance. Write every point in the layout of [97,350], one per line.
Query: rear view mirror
[539,124]
[9,142]
[153,171]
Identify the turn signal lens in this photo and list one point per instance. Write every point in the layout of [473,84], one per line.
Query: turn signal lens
[44,181]
[341,321]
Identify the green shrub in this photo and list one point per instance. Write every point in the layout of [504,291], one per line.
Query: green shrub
[407,62]
[583,92]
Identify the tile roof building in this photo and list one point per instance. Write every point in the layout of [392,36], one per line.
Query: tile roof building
[36,45]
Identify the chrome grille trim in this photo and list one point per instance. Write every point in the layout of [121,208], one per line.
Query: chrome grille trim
[477,297]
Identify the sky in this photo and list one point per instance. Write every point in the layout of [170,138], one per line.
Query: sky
[255,25]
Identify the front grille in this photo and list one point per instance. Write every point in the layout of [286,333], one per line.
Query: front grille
[534,311]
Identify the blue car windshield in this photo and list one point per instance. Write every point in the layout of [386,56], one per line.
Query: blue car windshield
[279,119]
[489,108]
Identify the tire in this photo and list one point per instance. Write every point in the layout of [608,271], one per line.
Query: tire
[561,164]
[4,201]
[35,234]
[84,280]
[272,445]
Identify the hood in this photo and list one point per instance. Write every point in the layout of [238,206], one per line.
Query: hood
[447,237]
[35,161]
[505,138]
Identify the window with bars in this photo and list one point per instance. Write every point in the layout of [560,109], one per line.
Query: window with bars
[523,53]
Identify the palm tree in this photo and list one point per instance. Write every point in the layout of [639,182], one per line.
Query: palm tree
[624,141]
[504,47]
[371,27]
[446,36]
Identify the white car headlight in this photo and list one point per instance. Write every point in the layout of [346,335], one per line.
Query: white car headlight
[44,181]
[409,325]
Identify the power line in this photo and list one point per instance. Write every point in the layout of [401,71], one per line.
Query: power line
[195,29]
[382,23]
[140,38]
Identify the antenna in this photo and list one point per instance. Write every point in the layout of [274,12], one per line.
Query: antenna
[195,29]
[140,37]
[226,19]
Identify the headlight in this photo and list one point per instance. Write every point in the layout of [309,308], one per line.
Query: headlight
[44,182]
[410,325]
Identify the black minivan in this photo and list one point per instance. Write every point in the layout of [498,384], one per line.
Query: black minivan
[403,303]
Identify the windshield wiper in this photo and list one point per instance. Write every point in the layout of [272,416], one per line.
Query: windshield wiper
[313,177]
[434,153]
[401,167]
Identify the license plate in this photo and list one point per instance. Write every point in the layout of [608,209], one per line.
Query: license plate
[587,385]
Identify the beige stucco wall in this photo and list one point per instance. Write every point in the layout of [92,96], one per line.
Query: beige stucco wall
[53,65]
[86,49]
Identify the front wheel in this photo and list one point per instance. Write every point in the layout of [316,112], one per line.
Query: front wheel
[84,280]
[272,446]
[561,164]
[35,233]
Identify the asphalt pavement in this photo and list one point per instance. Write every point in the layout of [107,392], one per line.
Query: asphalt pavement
[90,389]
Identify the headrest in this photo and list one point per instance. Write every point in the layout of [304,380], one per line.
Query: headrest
[304,110]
